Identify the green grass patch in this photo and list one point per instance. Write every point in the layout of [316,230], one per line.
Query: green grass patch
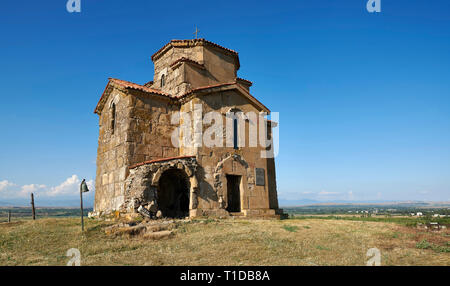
[322,247]
[424,244]
[290,228]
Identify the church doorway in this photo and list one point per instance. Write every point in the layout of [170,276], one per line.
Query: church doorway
[234,193]
[173,194]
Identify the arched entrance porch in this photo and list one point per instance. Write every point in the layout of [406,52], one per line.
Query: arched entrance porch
[173,194]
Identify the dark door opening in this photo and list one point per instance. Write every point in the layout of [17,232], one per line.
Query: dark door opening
[173,194]
[234,193]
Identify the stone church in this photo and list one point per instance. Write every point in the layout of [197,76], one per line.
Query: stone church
[138,165]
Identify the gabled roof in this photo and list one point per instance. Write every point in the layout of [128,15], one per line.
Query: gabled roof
[208,88]
[204,90]
[127,85]
[132,85]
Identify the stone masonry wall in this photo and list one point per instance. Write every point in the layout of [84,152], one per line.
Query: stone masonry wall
[219,68]
[111,154]
[149,135]
[248,158]
[142,132]
[174,78]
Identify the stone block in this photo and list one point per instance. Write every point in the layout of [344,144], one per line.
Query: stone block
[158,235]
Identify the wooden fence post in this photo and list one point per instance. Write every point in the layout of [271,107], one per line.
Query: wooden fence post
[32,206]
[9,216]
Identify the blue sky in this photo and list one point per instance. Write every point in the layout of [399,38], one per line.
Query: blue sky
[364,99]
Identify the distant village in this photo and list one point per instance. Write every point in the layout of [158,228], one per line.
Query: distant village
[369,210]
[426,218]
[393,211]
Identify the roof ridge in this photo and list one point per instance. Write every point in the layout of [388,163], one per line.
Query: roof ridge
[133,85]
[220,85]
[200,40]
[204,87]
[185,59]
[243,79]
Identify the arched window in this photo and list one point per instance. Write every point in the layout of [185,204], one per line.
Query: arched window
[163,80]
[235,133]
[237,115]
[113,117]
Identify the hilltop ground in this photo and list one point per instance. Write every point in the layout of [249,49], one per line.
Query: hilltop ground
[225,242]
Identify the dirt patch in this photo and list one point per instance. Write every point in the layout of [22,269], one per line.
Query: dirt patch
[11,224]
[411,236]
[150,229]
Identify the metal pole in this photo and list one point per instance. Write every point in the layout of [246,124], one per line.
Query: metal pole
[81,206]
[32,206]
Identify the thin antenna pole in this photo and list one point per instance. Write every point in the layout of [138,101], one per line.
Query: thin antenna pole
[196,32]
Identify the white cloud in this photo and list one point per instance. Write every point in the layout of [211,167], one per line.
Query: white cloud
[32,188]
[69,186]
[5,184]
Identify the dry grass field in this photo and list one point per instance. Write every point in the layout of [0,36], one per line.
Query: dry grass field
[225,242]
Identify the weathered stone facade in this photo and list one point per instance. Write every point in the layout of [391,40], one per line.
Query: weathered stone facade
[139,166]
